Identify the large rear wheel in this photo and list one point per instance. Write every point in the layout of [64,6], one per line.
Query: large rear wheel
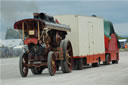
[66,64]
[23,65]
[51,63]
[62,61]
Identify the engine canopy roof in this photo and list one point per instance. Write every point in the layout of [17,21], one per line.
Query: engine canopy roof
[30,24]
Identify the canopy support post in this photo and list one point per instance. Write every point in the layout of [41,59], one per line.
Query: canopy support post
[38,31]
[23,30]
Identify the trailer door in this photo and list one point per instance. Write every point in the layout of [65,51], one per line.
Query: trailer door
[90,38]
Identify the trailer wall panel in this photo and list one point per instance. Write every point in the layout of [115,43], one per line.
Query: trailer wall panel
[87,34]
[83,36]
[71,21]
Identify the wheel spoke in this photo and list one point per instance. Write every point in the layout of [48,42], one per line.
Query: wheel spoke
[68,57]
[69,63]
[69,50]
[23,60]
[24,69]
[54,68]
[53,65]
[24,65]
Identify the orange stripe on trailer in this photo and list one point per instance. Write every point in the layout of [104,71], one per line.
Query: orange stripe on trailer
[93,58]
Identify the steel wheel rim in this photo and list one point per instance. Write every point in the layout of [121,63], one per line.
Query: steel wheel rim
[53,64]
[24,68]
[69,55]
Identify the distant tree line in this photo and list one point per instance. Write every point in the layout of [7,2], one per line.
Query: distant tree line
[12,34]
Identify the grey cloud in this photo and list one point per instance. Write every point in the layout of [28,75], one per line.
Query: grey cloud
[13,10]
[114,11]
[121,29]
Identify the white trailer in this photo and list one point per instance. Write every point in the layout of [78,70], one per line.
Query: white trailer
[87,34]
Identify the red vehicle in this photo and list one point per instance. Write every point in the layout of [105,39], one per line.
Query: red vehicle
[111,44]
[45,45]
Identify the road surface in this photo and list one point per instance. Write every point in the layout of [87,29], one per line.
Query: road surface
[114,74]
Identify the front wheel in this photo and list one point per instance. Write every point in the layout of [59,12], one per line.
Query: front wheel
[23,65]
[51,63]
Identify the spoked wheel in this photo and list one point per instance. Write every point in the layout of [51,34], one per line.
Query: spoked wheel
[51,63]
[66,64]
[23,65]
[37,70]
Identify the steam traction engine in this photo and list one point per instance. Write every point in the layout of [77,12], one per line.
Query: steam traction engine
[45,45]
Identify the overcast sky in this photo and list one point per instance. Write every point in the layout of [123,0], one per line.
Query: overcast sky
[113,10]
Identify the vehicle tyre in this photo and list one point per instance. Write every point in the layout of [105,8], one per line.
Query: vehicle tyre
[93,64]
[62,61]
[68,57]
[23,65]
[51,63]
[96,64]
[75,66]
[113,62]
[117,59]
[107,59]
[79,64]
[37,70]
